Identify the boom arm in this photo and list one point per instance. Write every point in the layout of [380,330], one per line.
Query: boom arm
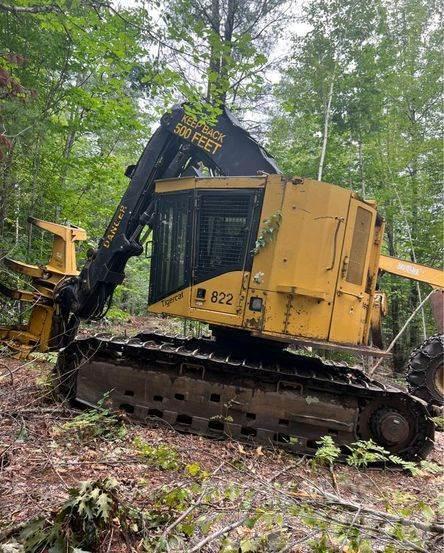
[177,148]
[412,271]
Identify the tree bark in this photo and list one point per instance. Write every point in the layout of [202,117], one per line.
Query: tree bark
[6,187]
[215,60]
[228,38]
[326,124]
[361,167]
[398,358]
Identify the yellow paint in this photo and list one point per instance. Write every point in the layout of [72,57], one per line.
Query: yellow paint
[40,329]
[353,300]
[300,265]
[412,271]
[229,287]
[317,275]
[209,183]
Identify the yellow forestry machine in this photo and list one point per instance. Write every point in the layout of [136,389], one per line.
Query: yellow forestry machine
[267,261]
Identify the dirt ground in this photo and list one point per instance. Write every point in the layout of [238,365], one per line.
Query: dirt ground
[238,498]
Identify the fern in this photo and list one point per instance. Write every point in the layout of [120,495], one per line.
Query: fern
[327,453]
[431,468]
[364,452]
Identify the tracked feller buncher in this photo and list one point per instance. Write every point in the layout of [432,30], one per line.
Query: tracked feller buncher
[267,261]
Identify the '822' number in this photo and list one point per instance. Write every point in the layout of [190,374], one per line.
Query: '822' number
[221,297]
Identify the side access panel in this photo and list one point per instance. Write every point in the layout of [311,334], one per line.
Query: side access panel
[295,274]
[351,304]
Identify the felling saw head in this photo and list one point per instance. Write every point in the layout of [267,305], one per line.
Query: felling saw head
[45,325]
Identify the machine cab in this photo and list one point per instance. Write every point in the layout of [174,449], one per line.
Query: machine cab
[204,236]
[288,260]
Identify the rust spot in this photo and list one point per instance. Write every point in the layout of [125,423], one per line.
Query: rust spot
[254,323]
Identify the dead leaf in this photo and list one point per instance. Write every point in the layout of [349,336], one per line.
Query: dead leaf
[259,451]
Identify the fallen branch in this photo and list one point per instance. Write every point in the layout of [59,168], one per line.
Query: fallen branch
[335,500]
[188,511]
[218,534]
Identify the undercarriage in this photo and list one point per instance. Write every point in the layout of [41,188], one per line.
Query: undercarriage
[260,395]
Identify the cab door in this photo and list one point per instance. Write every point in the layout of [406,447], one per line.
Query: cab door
[351,299]
[226,224]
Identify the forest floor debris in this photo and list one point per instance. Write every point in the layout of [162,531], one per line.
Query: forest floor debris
[144,487]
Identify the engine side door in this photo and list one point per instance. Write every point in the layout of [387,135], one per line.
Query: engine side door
[352,298]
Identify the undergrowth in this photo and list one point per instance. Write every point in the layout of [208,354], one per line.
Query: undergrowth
[363,453]
[100,422]
[162,456]
[79,524]
[196,505]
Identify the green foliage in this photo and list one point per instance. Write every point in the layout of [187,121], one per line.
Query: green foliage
[195,471]
[269,229]
[365,452]
[94,423]
[131,296]
[224,46]
[176,498]
[439,423]
[74,85]
[327,453]
[79,523]
[429,467]
[408,505]
[115,314]
[160,456]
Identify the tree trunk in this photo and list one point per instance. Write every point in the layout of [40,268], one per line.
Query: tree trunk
[415,295]
[69,143]
[6,187]
[215,59]
[415,290]
[228,37]
[398,358]
[326,124]
[33,191]
[361,167]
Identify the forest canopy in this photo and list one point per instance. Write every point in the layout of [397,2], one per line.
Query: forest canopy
[345,91]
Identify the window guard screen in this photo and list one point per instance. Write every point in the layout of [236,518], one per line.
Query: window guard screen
[171,245]
[225,221]
[212,237]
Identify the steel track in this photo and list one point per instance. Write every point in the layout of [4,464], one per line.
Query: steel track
[259,395]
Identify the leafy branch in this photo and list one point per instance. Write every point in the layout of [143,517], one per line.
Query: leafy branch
[268,231]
